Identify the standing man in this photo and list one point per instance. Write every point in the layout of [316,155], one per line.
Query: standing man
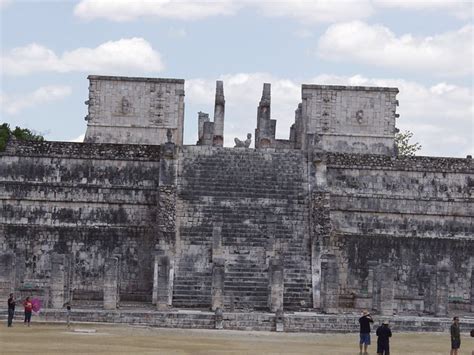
[364,322]
[455,336]
[383,341]
[11,309]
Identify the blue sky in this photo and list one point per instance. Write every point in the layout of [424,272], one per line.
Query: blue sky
[425,48]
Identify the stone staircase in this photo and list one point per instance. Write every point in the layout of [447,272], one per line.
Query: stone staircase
[242,191]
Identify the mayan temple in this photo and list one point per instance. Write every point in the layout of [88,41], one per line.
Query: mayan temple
[282,236]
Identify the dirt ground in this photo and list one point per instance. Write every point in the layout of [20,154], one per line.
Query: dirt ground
[122,339]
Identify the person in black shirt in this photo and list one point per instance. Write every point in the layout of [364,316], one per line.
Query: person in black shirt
[364,322]
[383,342]
[11,309]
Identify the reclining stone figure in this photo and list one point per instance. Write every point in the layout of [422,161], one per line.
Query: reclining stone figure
[243,144]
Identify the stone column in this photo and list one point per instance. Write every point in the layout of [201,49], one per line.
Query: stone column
[111,275]
[7,274]
[376,282]
[472,289]
[265,131]
[217,290]
[202,118]
[57,280]
[329,284]
[442,291]
[276,282]
[218,269]
[163,287]
[219,110]
[219,318]
[387,291]
[279,321]
[316,273]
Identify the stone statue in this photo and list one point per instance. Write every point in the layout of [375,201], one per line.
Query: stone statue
[243,144]
[169,135]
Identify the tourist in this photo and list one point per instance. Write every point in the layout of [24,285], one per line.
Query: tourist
[11,309]
[383,341]
[68,315]
[455,336]
[28,310]
[364,322]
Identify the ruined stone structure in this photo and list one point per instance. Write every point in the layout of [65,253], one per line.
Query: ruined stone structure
[330,220]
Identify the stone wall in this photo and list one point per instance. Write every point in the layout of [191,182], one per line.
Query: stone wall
[134,110]
[88,202]
[414,214]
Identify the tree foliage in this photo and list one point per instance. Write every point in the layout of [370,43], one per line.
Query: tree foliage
[405,148]
[18,133]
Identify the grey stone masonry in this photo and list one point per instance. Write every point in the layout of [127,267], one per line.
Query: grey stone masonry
[111,280]
[134,110]
[349,118]
[7,274]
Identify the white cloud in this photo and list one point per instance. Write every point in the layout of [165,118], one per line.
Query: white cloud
[14,104]
[122,56]
[4,4]
[459,8]
[126,10]
[438,115]
[449,53]
[78,139]
[317,11]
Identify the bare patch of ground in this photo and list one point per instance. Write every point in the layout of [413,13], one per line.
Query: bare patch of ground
[121,339]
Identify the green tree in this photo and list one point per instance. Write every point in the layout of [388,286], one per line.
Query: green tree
[405,148]
[19,133]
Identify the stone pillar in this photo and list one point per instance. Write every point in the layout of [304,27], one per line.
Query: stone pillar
[387,290]
[472,289]
[111,275]
[57,280]
[279,321]
[163,288]
[276,281]
[329,284]
[376,282]
[202,118]
[442,291]
[219,318]
[265,131]
[207,133]
[217,290]
[219,110]
[7,274]
[218,268]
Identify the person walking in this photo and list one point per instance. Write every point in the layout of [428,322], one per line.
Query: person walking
[28,310]
[455,336]
[364,322]
[383,339]
[11,309]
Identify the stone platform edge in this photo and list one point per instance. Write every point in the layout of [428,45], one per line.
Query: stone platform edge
[304,322]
